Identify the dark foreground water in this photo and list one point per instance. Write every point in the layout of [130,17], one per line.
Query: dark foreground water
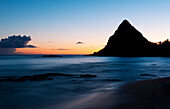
[62,89]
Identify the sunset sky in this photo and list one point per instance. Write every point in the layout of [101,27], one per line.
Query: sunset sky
[55,26]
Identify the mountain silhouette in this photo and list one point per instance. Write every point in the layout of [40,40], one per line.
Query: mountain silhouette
[129,42]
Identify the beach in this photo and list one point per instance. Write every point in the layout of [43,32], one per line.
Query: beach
[84,54]
[147,94]
[75,82]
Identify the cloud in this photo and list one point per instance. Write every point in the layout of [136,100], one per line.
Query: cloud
[9,45]
[16,42]
[7,50]
[60,49]
[79,42]
[31,46]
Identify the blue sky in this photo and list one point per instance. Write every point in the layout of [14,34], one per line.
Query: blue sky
[65,22]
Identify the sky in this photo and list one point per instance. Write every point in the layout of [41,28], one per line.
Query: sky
[56,26]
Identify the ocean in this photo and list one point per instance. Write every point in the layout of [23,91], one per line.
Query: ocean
[111,72]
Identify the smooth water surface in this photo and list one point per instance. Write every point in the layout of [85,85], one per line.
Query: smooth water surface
[41,94]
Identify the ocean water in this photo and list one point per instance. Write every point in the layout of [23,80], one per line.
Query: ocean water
[46,93]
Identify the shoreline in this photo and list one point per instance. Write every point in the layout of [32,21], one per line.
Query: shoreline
[147,94]
[106,99]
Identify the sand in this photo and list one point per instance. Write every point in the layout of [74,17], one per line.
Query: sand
[147,94]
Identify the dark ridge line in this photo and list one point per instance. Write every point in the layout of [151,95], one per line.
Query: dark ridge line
[129,42]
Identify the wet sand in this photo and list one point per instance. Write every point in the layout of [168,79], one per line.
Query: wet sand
[97,100]
[147,94]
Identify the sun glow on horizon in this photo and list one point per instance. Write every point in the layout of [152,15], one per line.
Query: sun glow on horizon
[57,51]
[55,26]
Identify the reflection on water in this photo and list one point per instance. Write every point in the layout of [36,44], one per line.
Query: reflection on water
[38,94]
